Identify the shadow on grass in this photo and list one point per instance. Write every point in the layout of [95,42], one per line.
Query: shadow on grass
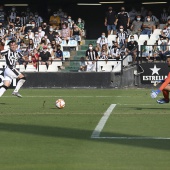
[79,134]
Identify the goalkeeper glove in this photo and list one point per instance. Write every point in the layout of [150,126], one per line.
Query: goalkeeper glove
[155,93]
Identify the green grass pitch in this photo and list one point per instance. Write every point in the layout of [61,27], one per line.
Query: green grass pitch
[35,135]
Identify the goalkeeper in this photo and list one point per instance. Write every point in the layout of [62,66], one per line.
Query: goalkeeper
[165,88]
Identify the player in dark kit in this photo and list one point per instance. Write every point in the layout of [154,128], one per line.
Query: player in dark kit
[11,72]
[165,88]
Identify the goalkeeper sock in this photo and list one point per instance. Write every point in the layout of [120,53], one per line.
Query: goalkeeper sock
[19,84]
[3,89]
[166,95]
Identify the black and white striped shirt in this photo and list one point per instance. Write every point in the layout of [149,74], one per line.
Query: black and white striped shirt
[91,55]
[122,36]
[11,57]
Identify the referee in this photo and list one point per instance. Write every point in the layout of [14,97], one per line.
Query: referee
[10,71]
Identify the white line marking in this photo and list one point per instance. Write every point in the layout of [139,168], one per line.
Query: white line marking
[134,138]
[73,96]
[102,122]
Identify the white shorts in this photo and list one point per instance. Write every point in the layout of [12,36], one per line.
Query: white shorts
[10,74]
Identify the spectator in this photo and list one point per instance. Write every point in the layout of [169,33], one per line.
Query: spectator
[57,39]
[155,51]
[45,28]
[34,57]
[102,40]
[58,53]
[51,34]
[3,31]
[76,33]
[70,22]
[38,19]
[148,26]
[26,39]
[132,14]
[30,34]
[115,52]
[12,15]
[54,20]
[60,13]
[153,18]
[65,32]
[146,51]
[36,40]
[143,13]
[123,19]
[30,45]
[83,65]
[130,48]
[18,25]
[104,52]
[2,15]
[41,33]
[110,19]
[98,50]
[80,23]
[91,57]
[45,57]
[122,37]
[33,27]
[53,44]
[136,26]
[164,50]
[164,16]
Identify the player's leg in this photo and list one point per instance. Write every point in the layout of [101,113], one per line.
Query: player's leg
[12,74]
[165,92]
[4,87]
[6,81]
[20,83]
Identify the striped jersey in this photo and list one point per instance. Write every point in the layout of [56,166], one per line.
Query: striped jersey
[11,57]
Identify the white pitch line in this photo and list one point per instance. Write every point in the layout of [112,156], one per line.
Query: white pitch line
[72,96]
[102,122]
[134,138]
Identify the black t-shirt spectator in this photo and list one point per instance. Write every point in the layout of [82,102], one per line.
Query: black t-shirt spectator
[45,56]
[111,17]
[131,45]
[91,55]
[50,36]
[122,19]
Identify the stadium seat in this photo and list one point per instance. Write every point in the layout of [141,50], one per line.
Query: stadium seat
[57,63]
[30,68]
[52,68]
[73,43]
[63,44]
[110,39]
[42,68]
[157,31]
[154,37]
[151,41]
[66,54]
[143,37]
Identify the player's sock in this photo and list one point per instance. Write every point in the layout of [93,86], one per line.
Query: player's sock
[166,95]
[3,89]
[19,84]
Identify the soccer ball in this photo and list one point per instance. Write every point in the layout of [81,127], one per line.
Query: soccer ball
[60,103]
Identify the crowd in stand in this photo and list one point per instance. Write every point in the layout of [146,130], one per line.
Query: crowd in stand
[38,39]
[129,30]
